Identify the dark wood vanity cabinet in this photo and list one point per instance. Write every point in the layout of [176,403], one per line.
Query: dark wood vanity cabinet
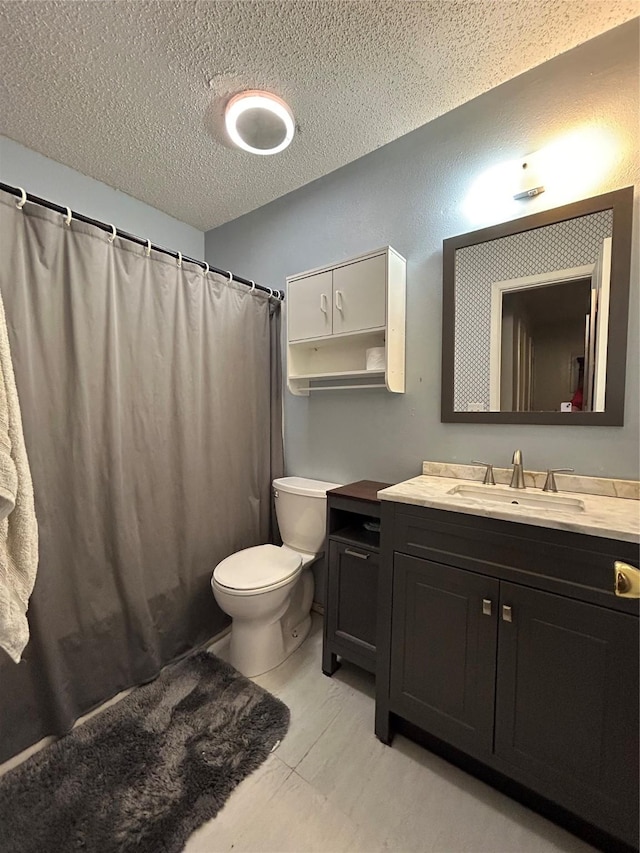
[506,642]
[443,663]
[352,562]
[567,703]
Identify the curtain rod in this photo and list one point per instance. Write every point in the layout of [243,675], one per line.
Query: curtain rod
[105,226]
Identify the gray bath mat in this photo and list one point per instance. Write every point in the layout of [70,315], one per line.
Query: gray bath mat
[145,773]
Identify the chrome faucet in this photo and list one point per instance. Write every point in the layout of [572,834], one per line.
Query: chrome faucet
[517,477]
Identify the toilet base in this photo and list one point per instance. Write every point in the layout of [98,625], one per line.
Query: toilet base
[257,646]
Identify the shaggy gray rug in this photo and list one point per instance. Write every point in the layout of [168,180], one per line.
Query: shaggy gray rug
[144,774]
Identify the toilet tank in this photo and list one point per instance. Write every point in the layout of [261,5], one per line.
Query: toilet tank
[301,508]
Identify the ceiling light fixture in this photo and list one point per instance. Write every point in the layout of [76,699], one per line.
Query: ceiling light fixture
[259,122]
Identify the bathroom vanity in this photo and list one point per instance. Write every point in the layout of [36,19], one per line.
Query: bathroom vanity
[502,641]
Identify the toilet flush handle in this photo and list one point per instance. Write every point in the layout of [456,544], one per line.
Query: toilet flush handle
[275,493]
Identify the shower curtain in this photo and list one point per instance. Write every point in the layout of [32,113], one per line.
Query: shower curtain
[151,405]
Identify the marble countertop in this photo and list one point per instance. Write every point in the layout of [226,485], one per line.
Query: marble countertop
[609,517]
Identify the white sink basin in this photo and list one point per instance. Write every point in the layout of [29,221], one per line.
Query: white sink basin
[518,497]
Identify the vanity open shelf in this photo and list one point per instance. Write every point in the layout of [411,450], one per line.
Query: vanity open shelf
[335,314]
[356,534]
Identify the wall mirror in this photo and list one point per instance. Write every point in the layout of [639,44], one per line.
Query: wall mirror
[534,326]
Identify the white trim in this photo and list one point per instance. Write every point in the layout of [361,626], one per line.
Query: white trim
[603,275]
[498,289]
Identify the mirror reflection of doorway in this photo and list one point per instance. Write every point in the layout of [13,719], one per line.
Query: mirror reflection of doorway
[543,335]
[549,340]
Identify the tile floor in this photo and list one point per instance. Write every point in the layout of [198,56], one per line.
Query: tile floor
[331,786]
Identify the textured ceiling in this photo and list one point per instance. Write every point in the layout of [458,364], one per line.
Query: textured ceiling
[132,92]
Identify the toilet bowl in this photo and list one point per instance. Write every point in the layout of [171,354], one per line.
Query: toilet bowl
[268,590]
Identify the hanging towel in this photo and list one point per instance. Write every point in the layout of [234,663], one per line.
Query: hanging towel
[18,525]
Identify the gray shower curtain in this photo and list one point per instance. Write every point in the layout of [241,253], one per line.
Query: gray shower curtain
[151,405]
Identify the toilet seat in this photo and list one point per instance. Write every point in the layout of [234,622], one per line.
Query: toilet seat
[256,570]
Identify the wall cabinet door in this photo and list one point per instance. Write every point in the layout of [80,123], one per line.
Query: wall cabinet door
[359,295]
[567,704]
[443,651]
[309,302]
[352,601]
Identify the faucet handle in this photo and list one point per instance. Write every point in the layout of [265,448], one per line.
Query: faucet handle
[550,482]
[488,474]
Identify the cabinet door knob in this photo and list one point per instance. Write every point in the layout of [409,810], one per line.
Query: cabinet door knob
[323,303]
[486,607]
[339,300]
[507,615]
[359,554]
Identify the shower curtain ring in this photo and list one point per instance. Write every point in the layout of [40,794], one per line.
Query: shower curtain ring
[113,234]
[179,259]
[271,293]
[23,198]
[68,217]
[230,279]
[147,251]
[253,285]
[206,268]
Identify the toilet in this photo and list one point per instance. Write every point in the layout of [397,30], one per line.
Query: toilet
[268,590]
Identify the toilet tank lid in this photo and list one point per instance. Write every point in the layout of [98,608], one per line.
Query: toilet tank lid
[304,486]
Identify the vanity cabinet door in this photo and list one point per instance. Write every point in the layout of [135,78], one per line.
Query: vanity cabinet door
[352,601]
[443,651]
[567,704]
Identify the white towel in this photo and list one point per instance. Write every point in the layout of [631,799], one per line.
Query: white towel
[18,525]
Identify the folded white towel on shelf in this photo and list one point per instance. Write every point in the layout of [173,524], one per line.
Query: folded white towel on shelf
[18,525]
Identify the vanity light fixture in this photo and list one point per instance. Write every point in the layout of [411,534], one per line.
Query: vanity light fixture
[259,122]
[529,182]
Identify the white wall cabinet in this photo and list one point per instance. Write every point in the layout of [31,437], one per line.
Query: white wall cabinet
[336,313]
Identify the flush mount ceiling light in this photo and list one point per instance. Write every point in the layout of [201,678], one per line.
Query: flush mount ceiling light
[259,122]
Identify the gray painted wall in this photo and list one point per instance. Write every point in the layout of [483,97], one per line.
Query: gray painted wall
[20,166]
[410,194]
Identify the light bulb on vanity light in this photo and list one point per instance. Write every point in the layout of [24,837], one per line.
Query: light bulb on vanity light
[566,168]
[569,166]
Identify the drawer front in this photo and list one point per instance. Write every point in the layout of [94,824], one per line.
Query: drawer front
[571,564]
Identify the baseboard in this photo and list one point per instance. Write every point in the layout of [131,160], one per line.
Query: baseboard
[316,607]
[217,637]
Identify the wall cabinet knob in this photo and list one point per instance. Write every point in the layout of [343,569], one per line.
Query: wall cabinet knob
[486,607]
[507,615]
